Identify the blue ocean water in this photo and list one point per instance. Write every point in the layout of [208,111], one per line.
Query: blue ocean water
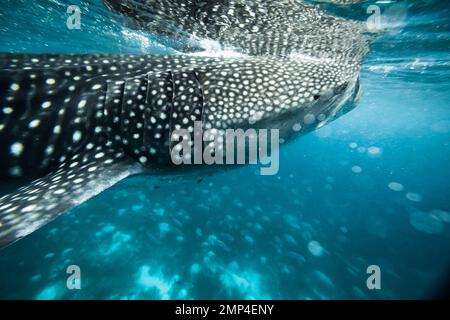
[371,188]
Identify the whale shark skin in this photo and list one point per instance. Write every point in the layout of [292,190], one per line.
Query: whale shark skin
[252,27]
[75,125]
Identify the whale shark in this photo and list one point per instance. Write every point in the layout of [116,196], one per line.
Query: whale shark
[73,125]
[252,27]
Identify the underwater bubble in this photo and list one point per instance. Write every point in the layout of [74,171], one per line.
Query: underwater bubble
[395,186]
[441,215]
[356,169]
[425,222]
[374,151]
[316,248]
[353,145]
[415,197]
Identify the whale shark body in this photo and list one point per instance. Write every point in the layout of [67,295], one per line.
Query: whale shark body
[78,124]
[252,27]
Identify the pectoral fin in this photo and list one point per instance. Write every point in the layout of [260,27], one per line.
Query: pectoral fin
[75,181]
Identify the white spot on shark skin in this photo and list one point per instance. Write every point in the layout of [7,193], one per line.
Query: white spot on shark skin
[49,150]
[143,159]
[46,104]
[34,123]
[50,81]
[7,110]
[297,127]
[57,129]
[60,191]
[76,136]
[96,86]
[309,118]
[15,87]
[82,104]
[99,155]
[29,208]
[16,149]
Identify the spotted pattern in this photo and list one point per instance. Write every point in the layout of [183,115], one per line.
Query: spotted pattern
[132,117]
[187,105]
[78,179]
[157,118]
[253,27]
[80,123]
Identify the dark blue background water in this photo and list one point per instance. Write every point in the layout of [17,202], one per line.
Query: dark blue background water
[370,188]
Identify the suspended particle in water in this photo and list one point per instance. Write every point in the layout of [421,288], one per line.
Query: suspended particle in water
[395,186]
[356,169]
[374,151]
[415,197]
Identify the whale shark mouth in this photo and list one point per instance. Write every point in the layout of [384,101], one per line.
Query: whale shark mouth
[348,98]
